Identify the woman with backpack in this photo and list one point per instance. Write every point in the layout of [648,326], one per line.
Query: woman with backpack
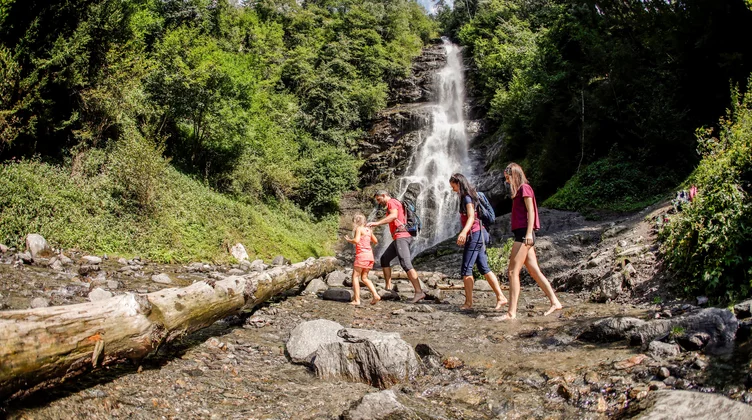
[524,223]
[473,237]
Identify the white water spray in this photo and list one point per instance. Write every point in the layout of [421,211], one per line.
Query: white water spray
[443,153]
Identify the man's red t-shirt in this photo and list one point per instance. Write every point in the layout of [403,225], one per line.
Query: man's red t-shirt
[519,211]
[393,203]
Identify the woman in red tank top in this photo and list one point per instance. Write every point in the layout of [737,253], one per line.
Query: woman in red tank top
[524,222]
[362,238]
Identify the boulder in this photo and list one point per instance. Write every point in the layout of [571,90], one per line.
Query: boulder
[92,260]
[315,286]
[610,329]
[280,260]
[99,294]
[481,286]
[694,341]
[3,249]
[659,349]
[377,406]
[743,309]
[609,288]
[665,404]
[37,246]
[39,303]
[25,257]
[257,265]
[719,324]
[239,253]
[307,337]
[372,357]
[339,294]
[161,278]
[337,278]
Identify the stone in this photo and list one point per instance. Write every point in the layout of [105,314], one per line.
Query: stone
[482,286]
[336,279]
[56,264]
[610,329]
[702,300]
[613,231]
[670,381]
[609,288]
[372,357]
[597,261]
[280,260]
[37,246]
[630,270]
[744,309]
[638,393]
[452,362]
[3,249]
[390,295]
[99,294]
[719,324]
[235,272]
[436,295]
[64,259]
[39,303]
[377,406]
[161,278]
[122,261]
[630,362]
[315,286]
[592,378]
[338,294]
[694,341]
[112,284]
[659,349]
[631,251]
[92,260]
[195,267]
[25,257]
[663,373]
[257,265]
[87,269]
[700,364]
[669,404]
[307,337]
[239,253]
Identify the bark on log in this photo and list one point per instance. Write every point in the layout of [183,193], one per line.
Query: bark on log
[43,344]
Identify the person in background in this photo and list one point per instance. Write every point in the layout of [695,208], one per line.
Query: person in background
[400,246]
[473,238]
[524,222]
[362,238]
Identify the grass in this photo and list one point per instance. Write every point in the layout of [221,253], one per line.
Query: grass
[187,221]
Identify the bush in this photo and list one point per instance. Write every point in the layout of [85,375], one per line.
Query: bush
[615,183]
[498,259]
[705,244]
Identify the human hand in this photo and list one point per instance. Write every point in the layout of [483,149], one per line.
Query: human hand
[529,241]
[371,224]
[348,239]
[461,238]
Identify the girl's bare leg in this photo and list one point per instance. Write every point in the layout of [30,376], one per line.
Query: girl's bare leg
[468,280]
[494,283]
[516,261]
[356,285]
[376,298]
[532,267]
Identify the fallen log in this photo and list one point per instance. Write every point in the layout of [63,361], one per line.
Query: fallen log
[55,343]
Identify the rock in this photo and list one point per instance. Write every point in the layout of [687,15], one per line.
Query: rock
[64,259]
[37,246]
[663,373]
[336,279]
[280,260]
[196,267]
[257,265]
[613,231]
[482,286]
[638,393]
[377,405]
[122,261]
[592,378]
[702,300]
[39,303]
[235,272]
[436,295]
[376,358]
[87,269]
[390,295]
[630,270]
[239,253]
[89,259]
[659,349]
[693,342]
[3,249]
[338,294]
[56,265]
[99,294]
[597,261]
[112,284]
[700,364]
[610,287]
[315,286]
[632,361]
[719,324]
[632,251]
[668,404]
[670,381]
[610,329]
[161,278]
[307,337]
[25,257]
[744,309]
[452,362]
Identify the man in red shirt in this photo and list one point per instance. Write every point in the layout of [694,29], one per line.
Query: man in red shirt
[400,246]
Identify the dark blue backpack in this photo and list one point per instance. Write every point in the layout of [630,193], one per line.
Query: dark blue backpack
[485,211]
[412,221]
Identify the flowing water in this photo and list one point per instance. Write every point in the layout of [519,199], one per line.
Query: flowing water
[443,153]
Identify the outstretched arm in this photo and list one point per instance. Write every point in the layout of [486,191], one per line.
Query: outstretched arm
[391,216]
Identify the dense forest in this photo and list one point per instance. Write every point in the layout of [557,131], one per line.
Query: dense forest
[180,114]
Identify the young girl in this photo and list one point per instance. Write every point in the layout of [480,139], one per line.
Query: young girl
[472,237]
[363,237]
[524,222]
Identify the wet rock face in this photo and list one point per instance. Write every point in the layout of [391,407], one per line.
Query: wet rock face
[696,405]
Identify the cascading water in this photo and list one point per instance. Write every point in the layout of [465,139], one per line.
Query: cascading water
[443,153]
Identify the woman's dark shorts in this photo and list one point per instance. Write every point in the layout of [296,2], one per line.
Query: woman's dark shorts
[475,253]
[519,235]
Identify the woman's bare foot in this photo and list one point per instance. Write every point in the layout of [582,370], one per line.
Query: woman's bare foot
[418,297]
[506,317]
[375,299]
[499,303]
[553,309]
[355,302]
[466,307]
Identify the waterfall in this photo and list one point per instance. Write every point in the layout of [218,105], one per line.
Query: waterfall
[443,152]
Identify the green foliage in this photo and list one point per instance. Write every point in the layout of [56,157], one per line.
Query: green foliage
[498,259]
[188,222]
[614,183]
[708,243]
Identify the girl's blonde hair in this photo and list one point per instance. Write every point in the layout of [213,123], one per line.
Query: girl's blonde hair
[516,177]
[358,220]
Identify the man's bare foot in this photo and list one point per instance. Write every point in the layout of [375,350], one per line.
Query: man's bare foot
[506,317]
[355,302]
[500,303]
[375,299]
[418,297]
[466,307]
[388,286]
[553,309]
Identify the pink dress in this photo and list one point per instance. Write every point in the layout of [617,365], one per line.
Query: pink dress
[363,251]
